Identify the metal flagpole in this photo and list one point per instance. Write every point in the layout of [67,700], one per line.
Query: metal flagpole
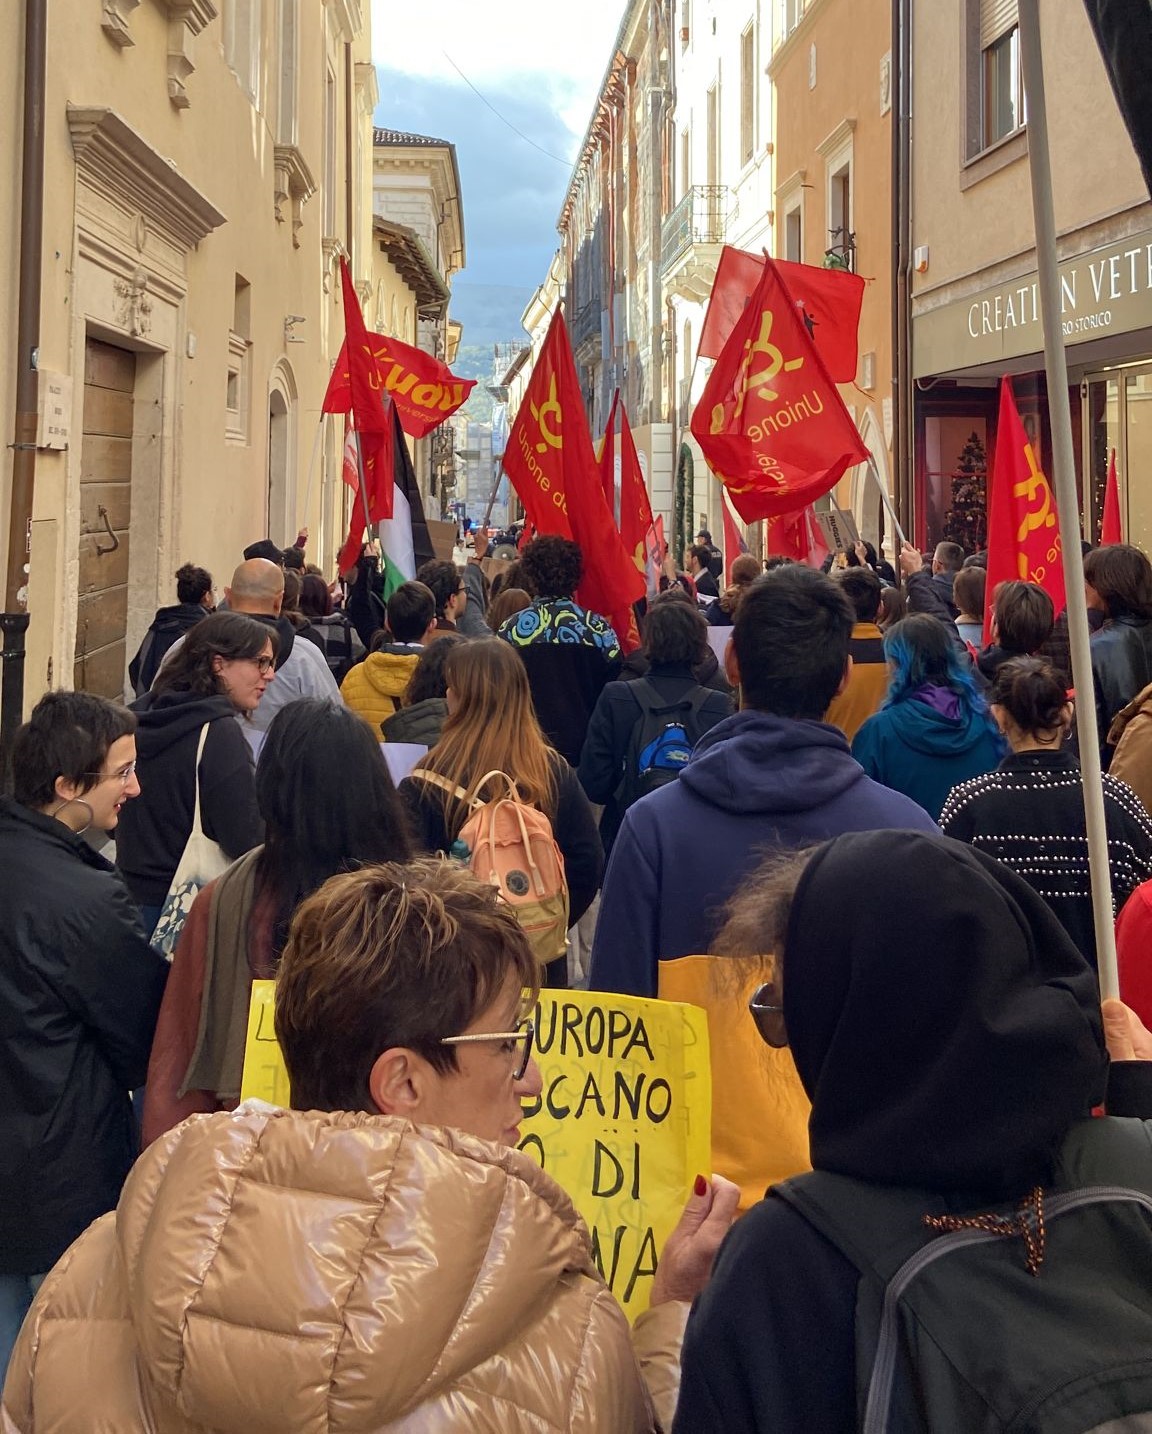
[1064,482]
[302,519]
[884,498]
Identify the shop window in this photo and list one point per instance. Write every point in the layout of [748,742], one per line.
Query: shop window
[747,94]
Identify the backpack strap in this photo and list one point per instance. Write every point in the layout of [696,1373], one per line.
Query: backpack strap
[434,779]
[650,700]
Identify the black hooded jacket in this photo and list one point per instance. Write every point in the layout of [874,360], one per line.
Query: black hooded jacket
[155,826]
[948,1034]
[80,991]
[169,624]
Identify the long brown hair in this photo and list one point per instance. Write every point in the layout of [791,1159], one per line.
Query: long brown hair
[493,728]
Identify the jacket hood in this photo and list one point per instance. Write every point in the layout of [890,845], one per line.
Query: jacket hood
[755,762]
[345,1267]
[942,1021]
[931,733]
[178,618]
[165,718]
[389,670]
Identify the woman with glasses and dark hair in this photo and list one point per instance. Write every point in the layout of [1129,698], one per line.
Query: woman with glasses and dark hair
[217,674]
[1118,584]
[379,1256]
[238,925]
[79,990]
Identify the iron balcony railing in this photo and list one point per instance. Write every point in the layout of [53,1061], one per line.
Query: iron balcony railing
[699,218]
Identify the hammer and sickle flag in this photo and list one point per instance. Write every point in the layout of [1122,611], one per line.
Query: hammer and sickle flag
[424,390]
[552,465]
[770,422]
[1023,530]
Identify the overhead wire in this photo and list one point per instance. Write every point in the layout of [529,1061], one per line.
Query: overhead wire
[567,163]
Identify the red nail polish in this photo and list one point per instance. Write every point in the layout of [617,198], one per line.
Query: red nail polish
[701,1186]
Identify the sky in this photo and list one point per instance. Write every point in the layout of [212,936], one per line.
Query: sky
[539,65]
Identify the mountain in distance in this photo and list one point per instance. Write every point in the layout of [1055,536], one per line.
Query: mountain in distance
[490,313]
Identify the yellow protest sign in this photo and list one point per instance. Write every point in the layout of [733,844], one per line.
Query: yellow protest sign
[622,1122]
[264,1075]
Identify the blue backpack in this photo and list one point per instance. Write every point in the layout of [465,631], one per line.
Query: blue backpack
[661,740]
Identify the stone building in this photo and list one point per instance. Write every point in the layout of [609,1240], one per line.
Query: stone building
[205,163]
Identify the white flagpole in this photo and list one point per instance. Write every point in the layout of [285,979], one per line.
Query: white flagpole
[302,518]
[884,498]
[1064,483]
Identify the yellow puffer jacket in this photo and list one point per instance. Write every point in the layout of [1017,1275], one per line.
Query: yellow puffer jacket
[271,1271]
[374,687]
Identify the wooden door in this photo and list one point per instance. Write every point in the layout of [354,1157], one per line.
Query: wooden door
[105,509]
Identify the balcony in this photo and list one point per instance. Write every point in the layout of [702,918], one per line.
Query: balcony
[691,240]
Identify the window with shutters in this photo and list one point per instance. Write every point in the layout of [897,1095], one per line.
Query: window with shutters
[1001,79]
[747,94]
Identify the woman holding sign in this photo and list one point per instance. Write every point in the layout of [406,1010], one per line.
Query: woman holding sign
[380,1257]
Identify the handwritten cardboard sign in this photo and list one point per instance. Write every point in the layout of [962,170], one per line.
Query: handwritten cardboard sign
[622,1122]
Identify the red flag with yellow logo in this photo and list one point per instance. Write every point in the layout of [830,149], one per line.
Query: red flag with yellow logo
[424,390]
[770,422]
[1023,531]
[368,402]
[552,465]
[635,506]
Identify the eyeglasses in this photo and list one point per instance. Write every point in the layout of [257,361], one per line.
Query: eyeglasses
[265,664]
[524,1035]
[123,776]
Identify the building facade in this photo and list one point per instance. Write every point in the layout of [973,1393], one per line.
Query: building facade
[611,227]
[974,307]
[831,72]
[418,219]
[206,161]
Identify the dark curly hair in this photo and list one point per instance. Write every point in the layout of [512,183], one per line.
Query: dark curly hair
[552,566]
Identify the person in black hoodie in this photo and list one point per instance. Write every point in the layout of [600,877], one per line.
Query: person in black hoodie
[194,601]
[675,640]
[949,1036]
[80,990]
[221,669]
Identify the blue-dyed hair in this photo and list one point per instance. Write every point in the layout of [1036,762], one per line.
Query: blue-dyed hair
[921,651]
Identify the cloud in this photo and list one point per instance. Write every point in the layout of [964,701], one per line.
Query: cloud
[490,43]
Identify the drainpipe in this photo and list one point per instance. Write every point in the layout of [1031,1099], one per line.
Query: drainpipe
[14,619]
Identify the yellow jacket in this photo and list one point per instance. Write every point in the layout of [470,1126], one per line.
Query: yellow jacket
[271,1270]
[374,687]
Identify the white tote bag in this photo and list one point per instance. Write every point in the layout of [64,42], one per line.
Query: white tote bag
[203,861]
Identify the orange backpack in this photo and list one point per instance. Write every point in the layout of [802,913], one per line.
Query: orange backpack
[512,846]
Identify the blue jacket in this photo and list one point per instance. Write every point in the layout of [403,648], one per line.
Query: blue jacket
[755,782]
[915,749]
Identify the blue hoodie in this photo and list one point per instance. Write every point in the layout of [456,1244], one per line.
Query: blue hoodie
[755,782]
[924,745]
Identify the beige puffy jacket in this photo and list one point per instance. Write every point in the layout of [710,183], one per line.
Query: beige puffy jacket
[270,1271]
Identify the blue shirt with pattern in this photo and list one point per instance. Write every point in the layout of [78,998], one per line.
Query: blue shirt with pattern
[560,620]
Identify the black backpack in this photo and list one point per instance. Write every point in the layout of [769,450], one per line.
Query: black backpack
[955,1333]
[661,740]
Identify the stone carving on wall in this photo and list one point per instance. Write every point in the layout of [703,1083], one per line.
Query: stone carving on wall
[114,21]
[134,304]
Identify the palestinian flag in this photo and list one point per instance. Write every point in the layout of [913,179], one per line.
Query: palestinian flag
[404,540]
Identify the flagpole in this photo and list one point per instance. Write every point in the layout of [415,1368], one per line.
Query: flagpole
[1067,506]
[301,519]
[492,495]
[884,498]
[363,485]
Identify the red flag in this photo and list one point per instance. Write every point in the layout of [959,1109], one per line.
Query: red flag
[734,544]
[350,472]
[1111,530]
[635,505]
[368,400]
[424,390]
[607,456]
[797,536]
[552,465]
[770,422]
[1023,533]
[828,300]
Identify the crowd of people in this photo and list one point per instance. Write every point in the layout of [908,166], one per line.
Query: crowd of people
[820,804]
